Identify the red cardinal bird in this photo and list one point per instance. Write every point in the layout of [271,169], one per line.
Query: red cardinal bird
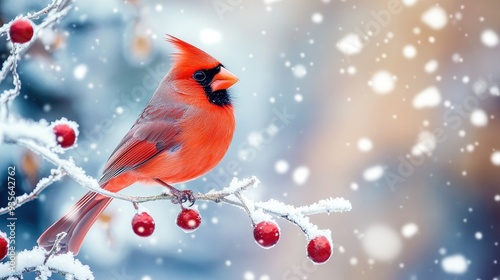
[183,133]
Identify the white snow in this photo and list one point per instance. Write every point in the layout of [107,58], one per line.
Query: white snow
[351,70]
[255,139]
[373,173]
[47,36]
[298,97]
[454,264]
[470,148]
[479,118]
[350,44]
[317,18]
[435,17]
[381,243]
[365,144]
[382,82]
[257,214]
[338,204]
[457,58]
[237,185]
[300,175]
[4,236]
[299,71]
[478,235]
[30,130]
[426,144]
[489,38]
[80,71]
[429,97]
[31,259]
[409,230]
[431,66]
[248,275]
[281,166]
[409,3]
[495,91]
[409,51]
[495,158]
[119,110]
[297,215]
[209,36]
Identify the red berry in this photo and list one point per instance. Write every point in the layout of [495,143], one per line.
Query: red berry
[266,234]
[21,31]
[65,135]
[143,224]
[4,245]
[319,249]
[189,220]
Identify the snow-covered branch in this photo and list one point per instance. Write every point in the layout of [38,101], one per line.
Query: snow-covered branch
[56,175]
[37,260]
[54,11]
[43,263]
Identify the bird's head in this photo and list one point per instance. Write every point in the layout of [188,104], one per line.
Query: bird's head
[199,75]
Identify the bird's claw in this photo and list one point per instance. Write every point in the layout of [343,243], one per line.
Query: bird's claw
[181,197]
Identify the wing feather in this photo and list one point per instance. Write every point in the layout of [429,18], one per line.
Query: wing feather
[155,131]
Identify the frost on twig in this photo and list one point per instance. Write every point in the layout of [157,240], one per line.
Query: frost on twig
[54,11]
[37,136]
[36,260]
[18,131]
[56,175]
[44,264]
[296,215]
[55,248]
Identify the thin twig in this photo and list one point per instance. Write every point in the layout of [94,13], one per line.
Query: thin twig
[56,175]
[55,248]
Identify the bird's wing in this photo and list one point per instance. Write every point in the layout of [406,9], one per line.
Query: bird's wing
[155,131]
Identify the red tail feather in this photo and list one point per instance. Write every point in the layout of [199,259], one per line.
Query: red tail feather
[76,223]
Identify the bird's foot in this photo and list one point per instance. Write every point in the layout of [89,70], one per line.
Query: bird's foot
[181,197]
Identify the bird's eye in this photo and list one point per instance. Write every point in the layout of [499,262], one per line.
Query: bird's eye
[199,76]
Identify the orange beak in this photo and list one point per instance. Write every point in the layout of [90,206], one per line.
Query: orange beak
[223,80]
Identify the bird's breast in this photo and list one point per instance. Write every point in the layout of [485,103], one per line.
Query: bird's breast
[203,141]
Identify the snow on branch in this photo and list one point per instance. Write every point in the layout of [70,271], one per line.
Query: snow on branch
[54,11]
[44,264]
[56,175]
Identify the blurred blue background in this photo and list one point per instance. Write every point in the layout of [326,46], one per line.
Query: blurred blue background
[423,181]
